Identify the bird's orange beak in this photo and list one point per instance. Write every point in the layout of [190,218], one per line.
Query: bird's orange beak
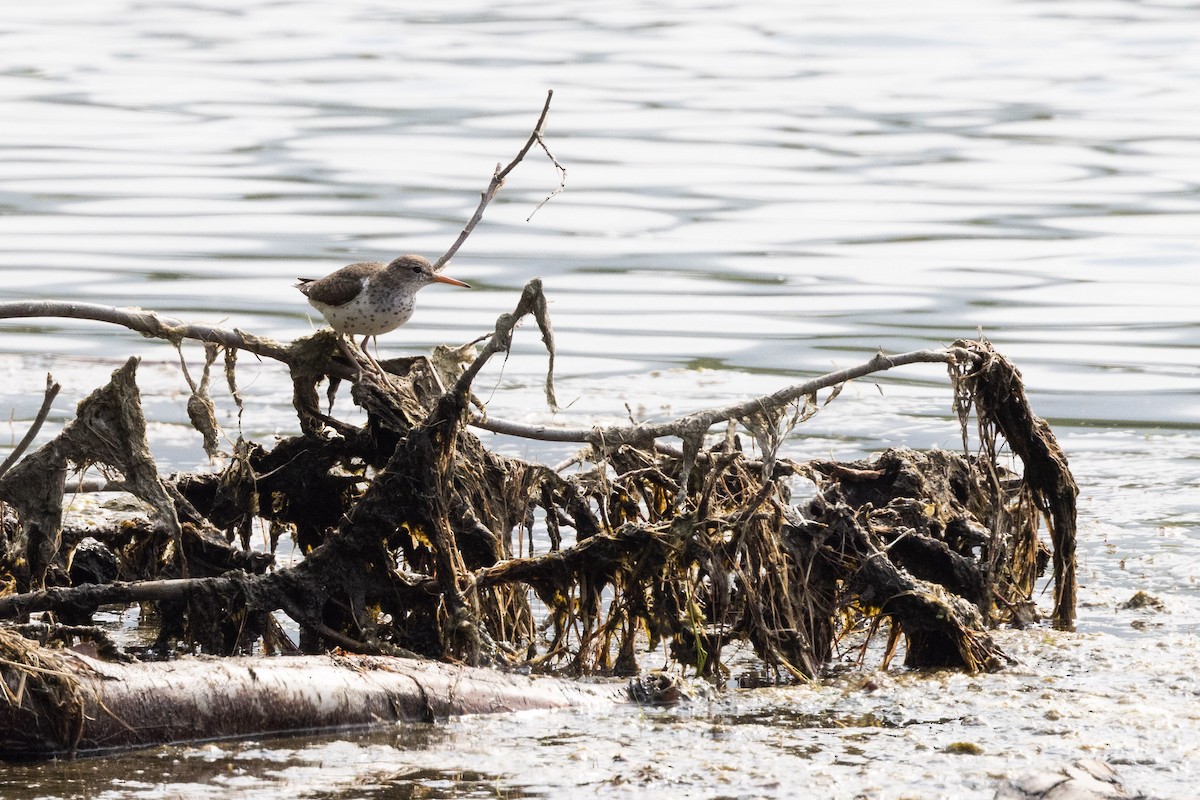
[443,279]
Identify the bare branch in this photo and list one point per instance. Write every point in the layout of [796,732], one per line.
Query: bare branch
[532,301]
[97,594]
[533,137]
[52,389]
[686,425]
[148,323]
[494,186]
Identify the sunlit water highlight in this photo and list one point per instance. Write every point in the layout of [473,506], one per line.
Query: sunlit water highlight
[757,192]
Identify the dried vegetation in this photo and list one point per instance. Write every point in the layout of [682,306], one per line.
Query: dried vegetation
[417,539]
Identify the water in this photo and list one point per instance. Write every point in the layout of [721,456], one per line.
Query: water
[757,192]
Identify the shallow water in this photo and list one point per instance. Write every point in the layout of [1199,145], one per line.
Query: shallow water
[756,193]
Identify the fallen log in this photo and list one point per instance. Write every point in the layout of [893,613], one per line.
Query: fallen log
[67,703]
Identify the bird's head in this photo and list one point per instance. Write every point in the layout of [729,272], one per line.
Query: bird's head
[418,272]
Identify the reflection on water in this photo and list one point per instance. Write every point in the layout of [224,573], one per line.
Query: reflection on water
[757,192]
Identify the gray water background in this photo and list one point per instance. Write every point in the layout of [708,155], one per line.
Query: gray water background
[757,192]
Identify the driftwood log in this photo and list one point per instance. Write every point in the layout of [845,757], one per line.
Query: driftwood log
[83,705]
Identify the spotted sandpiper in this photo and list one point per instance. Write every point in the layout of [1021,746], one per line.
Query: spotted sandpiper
[370,298]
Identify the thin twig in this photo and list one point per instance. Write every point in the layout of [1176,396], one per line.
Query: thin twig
[494,186]
[562,183]
[52,390]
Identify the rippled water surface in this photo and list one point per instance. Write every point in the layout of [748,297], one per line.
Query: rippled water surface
[757,192]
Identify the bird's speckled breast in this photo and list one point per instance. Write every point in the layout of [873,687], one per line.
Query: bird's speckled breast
[374,311]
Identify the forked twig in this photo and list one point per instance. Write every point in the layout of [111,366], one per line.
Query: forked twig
[562,183]
[497,182]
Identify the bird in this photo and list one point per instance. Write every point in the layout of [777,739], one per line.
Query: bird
[370,298]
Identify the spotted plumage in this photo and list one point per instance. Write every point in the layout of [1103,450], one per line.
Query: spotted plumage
[371,298]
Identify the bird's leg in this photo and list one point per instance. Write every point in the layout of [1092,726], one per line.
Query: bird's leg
[346,351]
[378,367]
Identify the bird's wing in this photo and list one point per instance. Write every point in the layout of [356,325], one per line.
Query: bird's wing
[339,288]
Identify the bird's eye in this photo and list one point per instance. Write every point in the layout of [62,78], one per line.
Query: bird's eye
[416,270]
